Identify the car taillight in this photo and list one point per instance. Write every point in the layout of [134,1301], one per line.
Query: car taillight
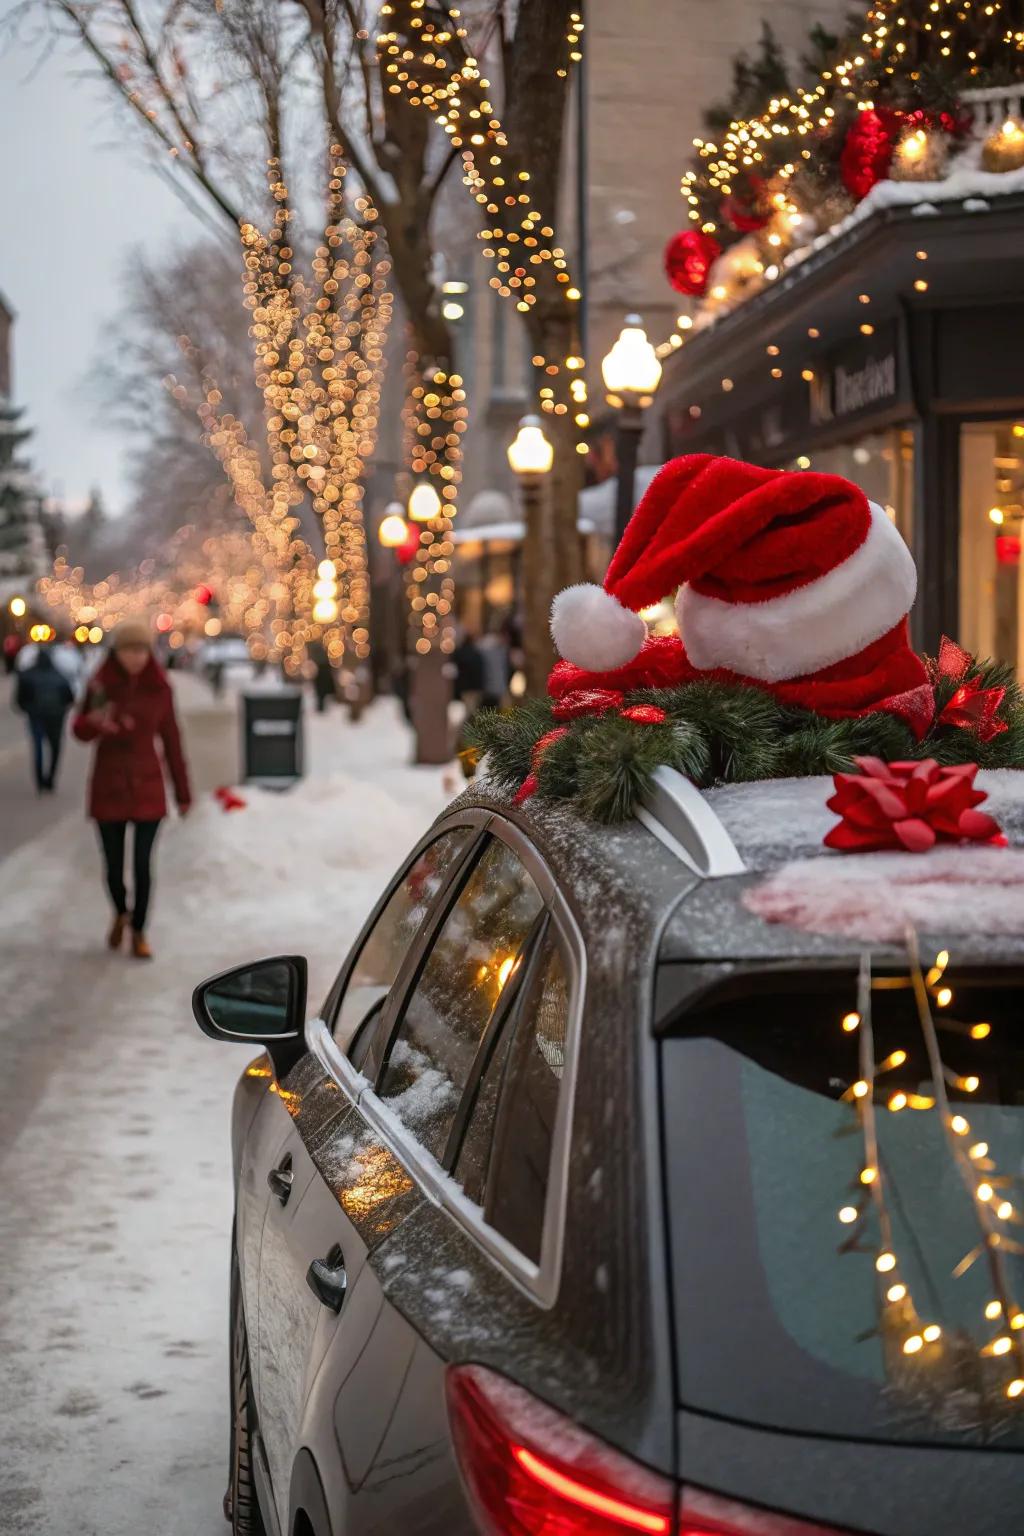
[531,1472]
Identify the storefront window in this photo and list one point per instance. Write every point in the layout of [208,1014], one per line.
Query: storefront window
[991,517]
[882,464]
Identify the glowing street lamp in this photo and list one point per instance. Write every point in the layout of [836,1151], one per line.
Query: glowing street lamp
[632,368]
[18,607]
[530,454]
[424,503]
[631,372]
[393,530]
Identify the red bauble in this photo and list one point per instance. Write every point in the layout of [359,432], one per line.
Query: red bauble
[867,152]
[744,211]
[689,257]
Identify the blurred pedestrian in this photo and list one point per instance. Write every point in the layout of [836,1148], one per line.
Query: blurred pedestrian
[469,671]
[494,652]
[12,645]
[44,695]
[127,705]
[323,676]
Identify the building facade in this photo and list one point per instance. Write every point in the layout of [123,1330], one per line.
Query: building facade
[649,70]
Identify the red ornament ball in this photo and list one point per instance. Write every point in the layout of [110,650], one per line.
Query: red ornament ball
[689,257]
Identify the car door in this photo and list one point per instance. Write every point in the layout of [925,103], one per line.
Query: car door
[477,1266]
[335,1188]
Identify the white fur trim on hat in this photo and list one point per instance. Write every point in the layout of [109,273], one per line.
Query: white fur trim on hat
[593,630]
[813,627]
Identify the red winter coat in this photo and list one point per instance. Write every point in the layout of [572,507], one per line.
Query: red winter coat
[125,715]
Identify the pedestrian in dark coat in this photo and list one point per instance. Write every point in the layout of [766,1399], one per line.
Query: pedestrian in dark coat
[44,695]
[128,705]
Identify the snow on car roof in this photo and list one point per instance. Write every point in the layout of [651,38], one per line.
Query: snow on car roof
[798,900]
[773,821]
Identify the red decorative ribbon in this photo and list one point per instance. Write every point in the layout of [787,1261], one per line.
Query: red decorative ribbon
[586,701]
[972,707]
[911,806]
[529,785]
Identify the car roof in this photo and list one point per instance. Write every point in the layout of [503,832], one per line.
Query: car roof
[774,824]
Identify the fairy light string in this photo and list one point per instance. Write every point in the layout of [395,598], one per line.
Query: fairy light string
[425,55]
[993,1210]
[995,1243]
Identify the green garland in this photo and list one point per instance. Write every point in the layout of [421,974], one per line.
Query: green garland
[719,733]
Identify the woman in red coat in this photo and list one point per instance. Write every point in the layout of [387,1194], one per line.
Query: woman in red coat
[127,705]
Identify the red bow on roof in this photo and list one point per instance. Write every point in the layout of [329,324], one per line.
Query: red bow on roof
[911,806]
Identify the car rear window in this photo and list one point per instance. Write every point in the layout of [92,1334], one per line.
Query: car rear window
[846,1249]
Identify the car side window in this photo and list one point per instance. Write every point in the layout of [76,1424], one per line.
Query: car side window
[520,1160]
[386,945]
[470,962]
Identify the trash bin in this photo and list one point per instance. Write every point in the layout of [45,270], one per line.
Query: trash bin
[272,737]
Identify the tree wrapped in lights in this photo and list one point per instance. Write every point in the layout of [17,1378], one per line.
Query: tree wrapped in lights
[319,351]
[885,102]
[511,167]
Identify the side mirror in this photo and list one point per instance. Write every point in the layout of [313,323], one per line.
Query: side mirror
[263,1004]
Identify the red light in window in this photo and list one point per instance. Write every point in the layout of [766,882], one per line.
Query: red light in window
[1007,549]
[578,1487]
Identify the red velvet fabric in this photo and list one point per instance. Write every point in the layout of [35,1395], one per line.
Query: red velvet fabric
[125,715]
[735,531]
[875,678]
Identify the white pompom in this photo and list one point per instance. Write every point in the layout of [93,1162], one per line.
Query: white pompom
[593,630]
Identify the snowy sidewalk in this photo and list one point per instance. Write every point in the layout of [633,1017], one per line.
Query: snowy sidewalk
[114,1136]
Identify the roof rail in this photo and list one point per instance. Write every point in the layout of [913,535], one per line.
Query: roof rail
[679,816]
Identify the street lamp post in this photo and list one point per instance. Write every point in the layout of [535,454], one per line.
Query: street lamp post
[393,534]
[631,373]
[530,458]
[431,672]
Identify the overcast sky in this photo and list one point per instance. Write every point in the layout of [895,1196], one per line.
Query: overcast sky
[77,196]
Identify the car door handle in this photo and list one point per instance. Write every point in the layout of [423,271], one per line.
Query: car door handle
[327,1280]
[281,1178]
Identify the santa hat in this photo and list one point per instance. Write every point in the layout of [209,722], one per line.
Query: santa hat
[780,576]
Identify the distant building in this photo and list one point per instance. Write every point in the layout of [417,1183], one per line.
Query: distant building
[23,550]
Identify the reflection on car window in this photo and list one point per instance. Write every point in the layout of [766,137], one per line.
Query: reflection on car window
[472,958]
[818,1300]
[521,1161]
[374,972]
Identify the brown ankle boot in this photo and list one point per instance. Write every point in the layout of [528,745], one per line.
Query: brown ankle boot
[140,949]
[117,930]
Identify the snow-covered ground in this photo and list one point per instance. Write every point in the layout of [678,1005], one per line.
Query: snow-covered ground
[114,1154]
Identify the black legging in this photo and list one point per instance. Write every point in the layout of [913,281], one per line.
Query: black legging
[112,834]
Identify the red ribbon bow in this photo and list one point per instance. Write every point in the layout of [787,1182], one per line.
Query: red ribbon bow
[910,806]
[972,707]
